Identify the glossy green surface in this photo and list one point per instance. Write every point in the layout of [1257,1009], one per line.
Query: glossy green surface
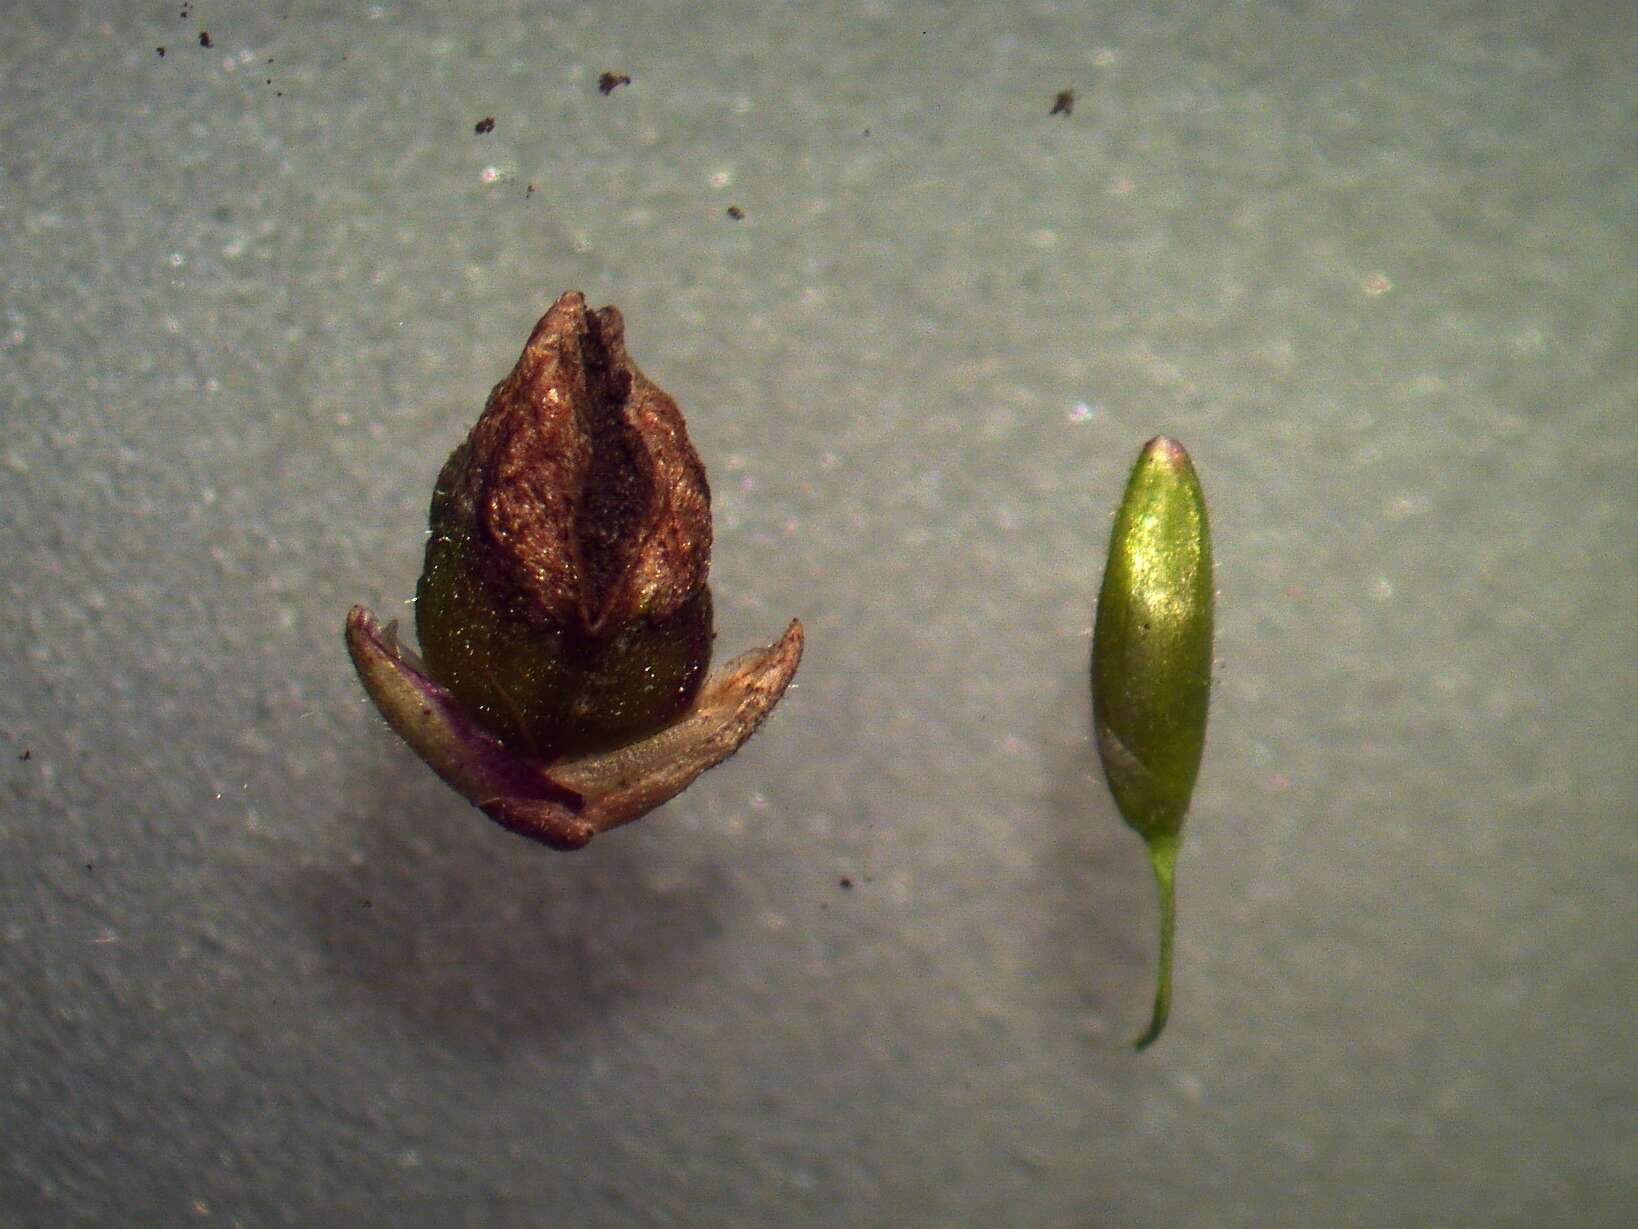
[546,688]
[1151,666]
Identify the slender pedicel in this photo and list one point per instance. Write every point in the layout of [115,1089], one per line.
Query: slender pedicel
[563,610]
[1151,669]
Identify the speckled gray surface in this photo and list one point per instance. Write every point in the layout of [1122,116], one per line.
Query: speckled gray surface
[1372,263]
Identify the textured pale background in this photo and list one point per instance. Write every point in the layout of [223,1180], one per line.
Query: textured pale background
[1373,263]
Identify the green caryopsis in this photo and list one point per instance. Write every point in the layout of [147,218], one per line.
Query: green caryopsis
[1151,669]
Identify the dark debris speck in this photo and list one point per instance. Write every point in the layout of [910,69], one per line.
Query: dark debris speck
[1064,103]
[606,82]
[485,125]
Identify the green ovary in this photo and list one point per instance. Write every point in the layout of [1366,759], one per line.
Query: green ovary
[546,688]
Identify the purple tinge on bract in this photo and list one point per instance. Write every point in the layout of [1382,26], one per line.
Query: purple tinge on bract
[566,802]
